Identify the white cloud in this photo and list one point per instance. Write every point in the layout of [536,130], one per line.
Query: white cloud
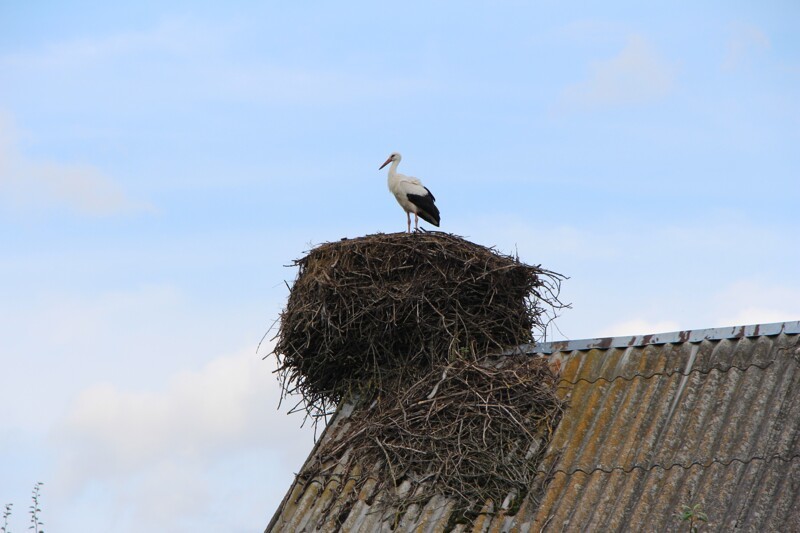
[592,30]
[541,241]
[266,84]
[745,43]
[639,326]
[32,185]
[169,37]
[636,75]
[201,64]
[748,302]
[635,274]
[158,509]
[110,431]
[170,455]
[739,304]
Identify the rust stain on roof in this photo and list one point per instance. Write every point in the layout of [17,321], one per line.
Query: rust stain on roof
[710,417]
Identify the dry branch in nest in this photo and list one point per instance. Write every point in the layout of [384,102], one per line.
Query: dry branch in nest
[472,430]
[386,308]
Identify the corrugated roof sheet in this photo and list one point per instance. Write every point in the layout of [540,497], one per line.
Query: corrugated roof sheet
[650,425]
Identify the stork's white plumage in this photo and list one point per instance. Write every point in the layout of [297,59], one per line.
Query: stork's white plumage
[411,194]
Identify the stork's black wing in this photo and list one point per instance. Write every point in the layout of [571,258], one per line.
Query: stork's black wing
[426,209]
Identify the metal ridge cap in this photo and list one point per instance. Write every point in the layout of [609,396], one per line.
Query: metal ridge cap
[672,337]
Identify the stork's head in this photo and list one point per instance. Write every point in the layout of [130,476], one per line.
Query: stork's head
[394,157]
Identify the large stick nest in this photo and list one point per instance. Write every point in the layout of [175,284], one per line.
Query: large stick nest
[365,312]
[408,328]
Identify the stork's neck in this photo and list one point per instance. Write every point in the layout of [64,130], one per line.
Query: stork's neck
[393,169]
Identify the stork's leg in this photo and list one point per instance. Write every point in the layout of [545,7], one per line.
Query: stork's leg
[408,216]
[416,222]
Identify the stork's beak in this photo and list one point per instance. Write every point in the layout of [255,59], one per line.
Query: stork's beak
[386,162]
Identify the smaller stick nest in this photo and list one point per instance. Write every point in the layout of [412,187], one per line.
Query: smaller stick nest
[365,312]
[473,430]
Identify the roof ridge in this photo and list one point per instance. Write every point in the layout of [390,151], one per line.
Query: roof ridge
[672,337]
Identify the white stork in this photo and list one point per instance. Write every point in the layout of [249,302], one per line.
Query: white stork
[411,194]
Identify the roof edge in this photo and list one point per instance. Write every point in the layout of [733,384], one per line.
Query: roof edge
[673,337]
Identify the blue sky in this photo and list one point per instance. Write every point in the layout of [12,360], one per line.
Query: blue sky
[161,162]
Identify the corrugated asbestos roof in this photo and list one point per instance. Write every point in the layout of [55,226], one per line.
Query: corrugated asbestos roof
[653,422]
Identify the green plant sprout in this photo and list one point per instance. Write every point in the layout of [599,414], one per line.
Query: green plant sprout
[6,514]
[34,511]
[694,515]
